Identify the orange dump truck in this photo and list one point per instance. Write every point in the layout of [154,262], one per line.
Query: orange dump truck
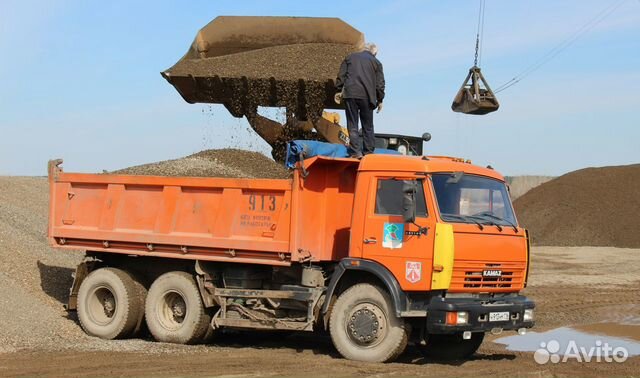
[380,252]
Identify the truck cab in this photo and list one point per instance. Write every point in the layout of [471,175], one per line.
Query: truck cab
[446,232]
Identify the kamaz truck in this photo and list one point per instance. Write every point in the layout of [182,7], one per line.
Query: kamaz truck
[379,252]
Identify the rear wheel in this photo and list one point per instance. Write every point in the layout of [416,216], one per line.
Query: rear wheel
[110,304]
[452,347]
[174,310]
[364,327]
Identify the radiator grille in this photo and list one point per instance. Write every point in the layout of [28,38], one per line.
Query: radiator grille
[468,277]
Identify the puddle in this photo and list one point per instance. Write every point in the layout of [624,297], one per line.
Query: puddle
[592,338]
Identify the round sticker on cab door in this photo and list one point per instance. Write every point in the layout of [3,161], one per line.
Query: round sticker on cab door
[413,271]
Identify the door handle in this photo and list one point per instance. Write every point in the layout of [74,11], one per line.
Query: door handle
[370,241]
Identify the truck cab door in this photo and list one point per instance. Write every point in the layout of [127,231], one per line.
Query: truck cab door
[399,246]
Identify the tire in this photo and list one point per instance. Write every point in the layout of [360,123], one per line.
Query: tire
[209,335]
[452,347]
[174,310]
[364,327]
[141,327]
[110,304]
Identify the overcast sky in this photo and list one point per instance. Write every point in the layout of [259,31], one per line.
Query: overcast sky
[80,81]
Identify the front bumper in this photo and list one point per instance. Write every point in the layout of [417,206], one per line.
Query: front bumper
[479,310]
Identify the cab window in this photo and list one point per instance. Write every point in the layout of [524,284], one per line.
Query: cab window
[389,198]
[468,198]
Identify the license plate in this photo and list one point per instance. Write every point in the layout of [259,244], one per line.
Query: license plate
[498,316]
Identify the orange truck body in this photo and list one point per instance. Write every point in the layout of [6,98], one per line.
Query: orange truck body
[376,251]
[324,217]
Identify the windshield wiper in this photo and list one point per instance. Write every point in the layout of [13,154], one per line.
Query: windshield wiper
[491,215]
[464,218]
[487,221]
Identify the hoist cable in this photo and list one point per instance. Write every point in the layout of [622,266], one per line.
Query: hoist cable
[593,22]
[562,46]
[482,32]
[479,30]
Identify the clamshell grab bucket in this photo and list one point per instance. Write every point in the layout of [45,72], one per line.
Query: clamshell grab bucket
[475,96]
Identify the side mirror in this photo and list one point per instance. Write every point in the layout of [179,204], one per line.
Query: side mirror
[426,137]
[409,189]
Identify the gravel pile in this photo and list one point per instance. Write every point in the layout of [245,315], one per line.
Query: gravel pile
[229,163]
[308,61]
[519,185]
[589,207]
[35,280]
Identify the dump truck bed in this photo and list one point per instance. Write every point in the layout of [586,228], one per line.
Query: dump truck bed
[261,221]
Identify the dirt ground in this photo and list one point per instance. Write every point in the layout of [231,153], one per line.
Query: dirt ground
[572,286]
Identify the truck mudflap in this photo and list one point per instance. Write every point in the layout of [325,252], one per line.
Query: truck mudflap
[482,314]
[82,271]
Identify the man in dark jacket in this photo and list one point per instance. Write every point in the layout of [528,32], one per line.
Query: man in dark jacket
[361,85]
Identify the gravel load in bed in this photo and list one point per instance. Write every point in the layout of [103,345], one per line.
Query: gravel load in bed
[308,61]
[228,163]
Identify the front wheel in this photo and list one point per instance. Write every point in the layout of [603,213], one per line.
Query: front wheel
[452,347]
[364,327]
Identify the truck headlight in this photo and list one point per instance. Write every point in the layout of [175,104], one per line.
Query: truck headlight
[457,318]
[463,317]
[528,315]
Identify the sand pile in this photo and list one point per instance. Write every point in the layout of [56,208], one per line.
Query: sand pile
[588,207]
[228,162]
[519,185]
[308,61]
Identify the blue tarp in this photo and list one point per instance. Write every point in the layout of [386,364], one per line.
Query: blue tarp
[311,148]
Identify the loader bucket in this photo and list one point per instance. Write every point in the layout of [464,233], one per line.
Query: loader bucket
[199,78]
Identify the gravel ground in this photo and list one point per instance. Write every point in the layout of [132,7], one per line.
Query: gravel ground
[229,163]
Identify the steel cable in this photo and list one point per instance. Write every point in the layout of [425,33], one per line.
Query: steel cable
[479,34]
[593,22]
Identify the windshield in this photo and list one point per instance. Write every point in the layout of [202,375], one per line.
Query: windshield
[472,199]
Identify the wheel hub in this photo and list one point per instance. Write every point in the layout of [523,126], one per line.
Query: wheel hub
[101,305]
[178,309]
[109,305]
[366,324]
[172,310]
